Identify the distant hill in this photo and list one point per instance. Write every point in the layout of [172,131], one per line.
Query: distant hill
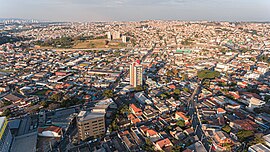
[17,20]
[6,19]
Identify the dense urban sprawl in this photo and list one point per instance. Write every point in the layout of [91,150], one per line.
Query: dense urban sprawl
[134,86]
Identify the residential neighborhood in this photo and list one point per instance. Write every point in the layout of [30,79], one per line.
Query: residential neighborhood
[135,86]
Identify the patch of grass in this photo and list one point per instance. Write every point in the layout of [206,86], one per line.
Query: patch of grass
[226,128]
[244,134]
[207,74]
[98,43]
[6,70]
[41,92]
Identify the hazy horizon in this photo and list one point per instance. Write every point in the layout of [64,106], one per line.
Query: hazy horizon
[137,10]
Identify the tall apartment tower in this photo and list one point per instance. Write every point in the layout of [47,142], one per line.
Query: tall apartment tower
[135,74]
[109,35]
[5,135]
[116,35]
[91,124]
[124,39]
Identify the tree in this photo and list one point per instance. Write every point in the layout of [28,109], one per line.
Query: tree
[267,98]
[71,102]
[53,106]
[148,146]
[184,76]
[7,103]
[168,128]
[176,148]
[124,110]
[163,96]
[57,97]
[187,42]
[114,125]
[108,93]
[262,110]
[253,59]
[138,88]
[226,128]
[7,113]
[177,91]
[186,89]
[180,123]
[244,134]
[44,104]
[258,138]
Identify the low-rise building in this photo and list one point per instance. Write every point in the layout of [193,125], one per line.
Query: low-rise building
[258,148]
[90,124]
[255,103]
[51,131]
[163,145]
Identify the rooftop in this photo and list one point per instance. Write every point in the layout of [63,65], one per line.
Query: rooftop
[259,147]
[25,142]
[85,115]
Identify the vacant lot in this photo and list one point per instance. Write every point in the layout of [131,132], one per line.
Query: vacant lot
[98,43]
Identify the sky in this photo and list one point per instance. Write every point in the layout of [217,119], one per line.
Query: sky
[134,10]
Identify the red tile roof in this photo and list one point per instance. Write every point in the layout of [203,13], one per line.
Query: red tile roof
[164,143]
[181,114]
[133,118]
[220,110]
[137,110]
[151,132]
[50,128]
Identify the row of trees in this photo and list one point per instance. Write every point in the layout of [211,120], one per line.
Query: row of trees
[63,42]
[6,39]
[57,100]
[242,135]
[123,111]
[264,58]
[176,73]
[175,94]
[187,42]
[66,42]
[108,93]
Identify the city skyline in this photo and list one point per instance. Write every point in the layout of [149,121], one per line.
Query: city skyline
[127,10]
